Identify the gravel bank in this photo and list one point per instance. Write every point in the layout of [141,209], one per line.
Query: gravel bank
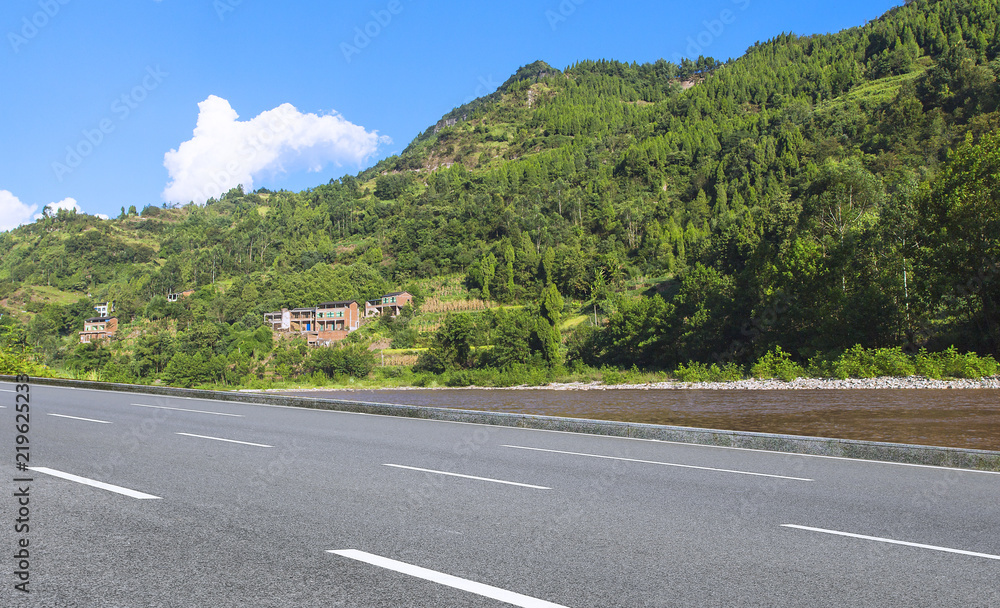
[799,384]
[914,382]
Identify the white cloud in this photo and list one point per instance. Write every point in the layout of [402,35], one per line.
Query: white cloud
[13,212]
[225,152]
[69,204]
[102,216]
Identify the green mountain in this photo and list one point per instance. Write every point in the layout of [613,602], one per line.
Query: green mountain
[817,193]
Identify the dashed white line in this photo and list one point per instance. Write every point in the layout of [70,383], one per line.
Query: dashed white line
[509,597]
[664,464]
[83,419]
[96,484]
[509,483]
[576,433]
[177,409]
[259,445]
[892,542]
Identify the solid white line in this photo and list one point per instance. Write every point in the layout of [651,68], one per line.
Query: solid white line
[177,409]
[75,418]
[509,597]
[665,464]
[95,484]
[509,483]
[576,433]
[654,441]
[259,445]
[893,542]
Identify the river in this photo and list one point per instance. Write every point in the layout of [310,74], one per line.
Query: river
[951,418]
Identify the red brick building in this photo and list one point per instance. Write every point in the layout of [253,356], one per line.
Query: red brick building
[338,316]
[327,323]
[98,329]
[391,304]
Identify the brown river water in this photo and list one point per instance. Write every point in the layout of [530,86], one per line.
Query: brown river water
[951,418]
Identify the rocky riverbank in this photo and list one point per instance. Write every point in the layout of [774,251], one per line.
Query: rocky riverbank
[798,384]
[913,382]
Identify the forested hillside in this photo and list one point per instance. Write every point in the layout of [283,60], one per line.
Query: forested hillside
[817,193]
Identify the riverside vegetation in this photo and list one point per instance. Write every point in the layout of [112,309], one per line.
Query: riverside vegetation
[823,205]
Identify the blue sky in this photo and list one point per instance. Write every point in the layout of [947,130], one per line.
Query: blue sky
[100,106]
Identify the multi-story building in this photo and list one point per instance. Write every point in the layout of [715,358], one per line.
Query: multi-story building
[337,316]
[105,309]
[391,304]
[279,321]
[325,324]
[302,319]
[98,329]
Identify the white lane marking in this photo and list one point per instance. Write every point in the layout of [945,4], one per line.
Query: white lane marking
[665,464]
[83,419]
[509,597]
[177,409]
[509,483]
[892,542]
[656,441]
[93,483]
[576,433]
[259,445]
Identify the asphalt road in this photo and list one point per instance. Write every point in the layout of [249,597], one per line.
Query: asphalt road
[319,508]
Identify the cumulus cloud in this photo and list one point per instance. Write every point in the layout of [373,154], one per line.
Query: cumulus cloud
[69,204]
[225,152]
[13,212]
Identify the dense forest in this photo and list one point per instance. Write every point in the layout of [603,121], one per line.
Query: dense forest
[819,193]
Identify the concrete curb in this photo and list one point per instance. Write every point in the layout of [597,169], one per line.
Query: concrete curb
[982,460]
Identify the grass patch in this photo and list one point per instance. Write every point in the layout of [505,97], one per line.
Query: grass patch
[872,94]
[573,322]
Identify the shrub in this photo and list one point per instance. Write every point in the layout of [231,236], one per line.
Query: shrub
[777,364]
[318,379]
[859,362]
[856,362]
[612,376]
[356,361]
[969,365]
[118,370]
[458,378]
[700,372]
[893,362]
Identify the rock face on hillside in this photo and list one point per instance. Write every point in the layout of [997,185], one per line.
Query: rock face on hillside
[533,71]
[449,122]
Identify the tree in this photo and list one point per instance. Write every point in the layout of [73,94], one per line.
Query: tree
[511,338]
[505,278]
[348,360]
[452,347]
[845,196]
[960,219]
[15,354]
[550,309]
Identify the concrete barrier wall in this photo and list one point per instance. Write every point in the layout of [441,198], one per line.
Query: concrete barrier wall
[869,450]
